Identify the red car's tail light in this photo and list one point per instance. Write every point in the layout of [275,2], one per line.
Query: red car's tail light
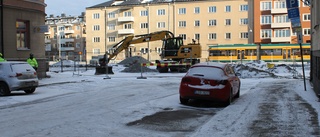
[35,73]
[223,82]
[186,80]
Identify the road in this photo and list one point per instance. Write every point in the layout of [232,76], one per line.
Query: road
[131,107]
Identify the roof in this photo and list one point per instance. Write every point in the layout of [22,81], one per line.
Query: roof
[135,2]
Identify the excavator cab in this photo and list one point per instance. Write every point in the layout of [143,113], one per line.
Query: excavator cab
[171,46]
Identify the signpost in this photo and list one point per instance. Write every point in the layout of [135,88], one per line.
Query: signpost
[294,16]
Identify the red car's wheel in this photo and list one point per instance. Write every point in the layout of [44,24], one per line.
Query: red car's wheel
[184,101]
[238,94]
[229,101]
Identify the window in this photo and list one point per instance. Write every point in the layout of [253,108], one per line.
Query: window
[184,36]
[77,45]
[212,36]
[96,39]
[212,9]
[197,36]
[161,12]
[197,10]
[182,24]
[144,25]
[228,35]
[306,32]
[127,14]
[111,26]
[244,21]
[281,19]
[96,15]
[22,35]
[127,26]
[78,36]
[197,23]
[182,11]
[228,22]
[228,8]
[265,19]
[161,24]
[78,27]
[244,35]
[280,5]
[266,33]
[266,5]
[306,17]
[244,8]
[144,13]
[282,33]
[96,51]
[96,27]
[111,15]
[212,23]
[112,39]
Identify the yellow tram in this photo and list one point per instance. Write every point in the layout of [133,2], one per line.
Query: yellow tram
[268,52]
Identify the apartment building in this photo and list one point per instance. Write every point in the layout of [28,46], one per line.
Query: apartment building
[209,22]
[65,39]
[270,24]
[315,45]
[22,31]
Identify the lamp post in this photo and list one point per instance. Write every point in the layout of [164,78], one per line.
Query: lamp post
[148,21]
[105,43]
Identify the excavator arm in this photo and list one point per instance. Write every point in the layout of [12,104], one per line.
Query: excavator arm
[127,41]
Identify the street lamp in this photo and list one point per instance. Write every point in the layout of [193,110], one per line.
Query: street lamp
[105,43]
[148,21]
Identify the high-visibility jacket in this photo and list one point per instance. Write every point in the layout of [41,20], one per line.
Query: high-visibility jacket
[2,59]
[33,62]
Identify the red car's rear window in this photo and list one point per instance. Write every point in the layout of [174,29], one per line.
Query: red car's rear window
[207,72]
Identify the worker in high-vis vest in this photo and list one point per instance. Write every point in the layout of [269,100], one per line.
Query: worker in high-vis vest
[32,61]
[1,58]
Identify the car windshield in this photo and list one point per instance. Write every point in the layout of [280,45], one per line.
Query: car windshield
[20,67]
[207,72]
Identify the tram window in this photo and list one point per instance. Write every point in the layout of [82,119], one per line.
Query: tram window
[277,52]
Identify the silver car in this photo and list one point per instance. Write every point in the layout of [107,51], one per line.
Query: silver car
[16,76]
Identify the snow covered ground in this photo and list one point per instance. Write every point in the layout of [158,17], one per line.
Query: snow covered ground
[158,92]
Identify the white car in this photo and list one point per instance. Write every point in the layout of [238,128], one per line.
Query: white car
[16,76]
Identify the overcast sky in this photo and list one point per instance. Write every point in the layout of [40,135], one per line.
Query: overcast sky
[69,7]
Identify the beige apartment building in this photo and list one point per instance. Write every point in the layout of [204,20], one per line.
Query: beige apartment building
[315,45]
[210,22]
[65,39]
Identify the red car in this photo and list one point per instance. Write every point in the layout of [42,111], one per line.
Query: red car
[210,81]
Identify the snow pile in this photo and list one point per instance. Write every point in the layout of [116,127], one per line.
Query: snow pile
[65,63]
[133,64]
[262,69]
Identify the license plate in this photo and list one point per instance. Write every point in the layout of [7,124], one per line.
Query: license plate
[201,92]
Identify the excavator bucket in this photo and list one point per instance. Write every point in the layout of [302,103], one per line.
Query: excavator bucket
[102,70]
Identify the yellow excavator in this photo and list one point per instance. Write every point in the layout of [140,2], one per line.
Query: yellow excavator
[174,56]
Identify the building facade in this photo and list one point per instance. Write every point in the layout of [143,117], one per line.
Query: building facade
[315,45]
[270,24]
[65,38]
[22,31]
[209,22]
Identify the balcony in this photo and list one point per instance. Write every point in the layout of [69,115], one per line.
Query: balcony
[68,31]
[279,11]
[281,25]
[126,31]
[67,48]
[47,33]
[47,41]
[280,39]
[67,40]
[125,19]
